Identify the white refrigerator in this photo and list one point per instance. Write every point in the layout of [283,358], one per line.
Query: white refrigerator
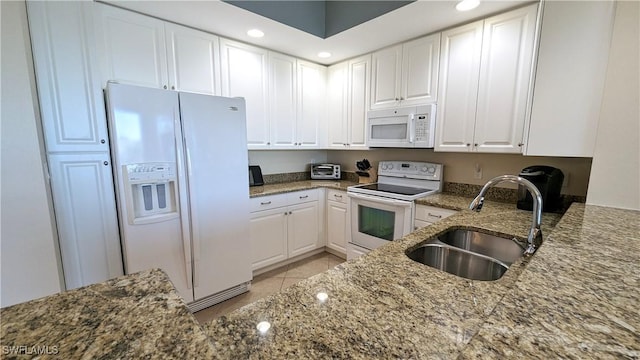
[181,172]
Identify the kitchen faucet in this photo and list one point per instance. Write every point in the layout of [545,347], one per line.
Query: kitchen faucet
[535,234]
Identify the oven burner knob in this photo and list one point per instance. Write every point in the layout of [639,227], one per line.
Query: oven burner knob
[432,170]
[424,168]
[390,166]
[384,166]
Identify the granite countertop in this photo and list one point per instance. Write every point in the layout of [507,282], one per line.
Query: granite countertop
[130,317]
[576,297]
[273,189]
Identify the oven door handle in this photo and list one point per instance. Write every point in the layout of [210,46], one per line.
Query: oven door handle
[394,202]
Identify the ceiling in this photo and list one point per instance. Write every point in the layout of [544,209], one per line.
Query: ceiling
[407,22]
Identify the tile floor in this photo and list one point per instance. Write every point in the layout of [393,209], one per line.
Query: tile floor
[271,282]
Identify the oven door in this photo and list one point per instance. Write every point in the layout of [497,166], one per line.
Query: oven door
[377,220]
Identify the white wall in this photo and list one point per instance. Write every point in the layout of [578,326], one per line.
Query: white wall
[615,176]
[285,161]
[460,167]
[28,256]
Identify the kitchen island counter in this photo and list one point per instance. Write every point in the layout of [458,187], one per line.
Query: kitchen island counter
[139,316]
[384,305]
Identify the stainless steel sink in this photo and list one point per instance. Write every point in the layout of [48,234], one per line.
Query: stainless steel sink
[459,262]
[503,249]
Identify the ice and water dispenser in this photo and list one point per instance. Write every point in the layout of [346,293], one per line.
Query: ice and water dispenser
[152,192]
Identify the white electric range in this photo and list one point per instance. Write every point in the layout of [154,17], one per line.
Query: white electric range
[384,211]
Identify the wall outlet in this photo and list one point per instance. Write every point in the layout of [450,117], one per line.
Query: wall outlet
[477,172]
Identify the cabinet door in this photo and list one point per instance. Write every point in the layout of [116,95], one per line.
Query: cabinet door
[132,48]
[303,230]
[268,234]
[86,217]
[71,100]
[337,133]
[193,60]
[282,92]
[507,54]
[458,87]
[244,74]
[337,226]
[311,124]
[570,77]
[358,101]
[420,59]
[386,67]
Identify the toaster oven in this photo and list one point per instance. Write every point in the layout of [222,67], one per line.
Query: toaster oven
[325,171]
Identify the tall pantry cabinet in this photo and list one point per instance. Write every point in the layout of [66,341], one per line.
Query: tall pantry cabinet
[74,123]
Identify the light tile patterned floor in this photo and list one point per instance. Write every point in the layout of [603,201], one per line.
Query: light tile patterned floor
[271,282]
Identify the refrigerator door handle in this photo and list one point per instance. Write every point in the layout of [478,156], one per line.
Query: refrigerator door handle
[196,240]
[184,206]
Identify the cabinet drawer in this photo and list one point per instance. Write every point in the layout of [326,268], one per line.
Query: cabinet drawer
[337,195]
[432,214]
[268,202]
[300,197]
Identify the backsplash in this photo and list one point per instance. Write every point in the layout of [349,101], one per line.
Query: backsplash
[466,190]
[302,176]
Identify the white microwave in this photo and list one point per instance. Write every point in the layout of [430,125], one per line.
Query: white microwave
[405,127]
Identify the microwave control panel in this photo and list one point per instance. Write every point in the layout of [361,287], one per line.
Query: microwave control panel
[422,127]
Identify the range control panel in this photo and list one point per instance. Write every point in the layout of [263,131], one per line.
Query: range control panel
[410,169]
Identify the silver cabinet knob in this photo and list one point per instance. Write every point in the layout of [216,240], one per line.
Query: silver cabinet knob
[106,163]
[165,87]
[102,141]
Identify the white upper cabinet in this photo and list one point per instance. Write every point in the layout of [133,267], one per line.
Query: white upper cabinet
[193,60]
[70,96]
[348,101]
[507,54]
[485,72]
[296,96]
[311,124]
[337,132]
[145,51]
[459,74]
[358,101]
[245,73]
[405,74]
[282,104]
[132,48]
[570,76]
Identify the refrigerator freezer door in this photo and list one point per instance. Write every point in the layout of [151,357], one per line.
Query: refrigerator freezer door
[215,139]
[144,127]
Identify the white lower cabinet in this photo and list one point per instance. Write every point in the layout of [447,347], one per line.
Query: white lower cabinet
[427,215]
[338,221]
[268,234]
[283,226]
[86,215]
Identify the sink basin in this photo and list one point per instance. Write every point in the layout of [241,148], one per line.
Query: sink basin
[503,249]
[459,262]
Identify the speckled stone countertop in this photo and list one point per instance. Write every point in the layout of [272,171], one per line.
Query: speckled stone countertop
[273,189]
[140,316]
[576,297]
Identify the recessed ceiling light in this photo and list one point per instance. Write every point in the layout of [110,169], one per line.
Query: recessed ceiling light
[324,54]
[255,33]
[465,5]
